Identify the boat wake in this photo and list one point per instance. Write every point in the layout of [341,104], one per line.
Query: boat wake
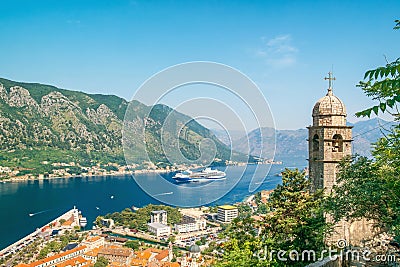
[36,213]
[164,194]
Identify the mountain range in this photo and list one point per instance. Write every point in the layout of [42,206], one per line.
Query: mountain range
[293,145]
[42,124]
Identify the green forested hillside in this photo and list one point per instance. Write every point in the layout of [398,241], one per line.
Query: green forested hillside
[42,123]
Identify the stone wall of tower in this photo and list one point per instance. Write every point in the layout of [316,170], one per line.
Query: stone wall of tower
[329,142]
[325,152]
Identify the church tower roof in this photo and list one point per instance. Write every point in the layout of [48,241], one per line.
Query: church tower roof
[329,105]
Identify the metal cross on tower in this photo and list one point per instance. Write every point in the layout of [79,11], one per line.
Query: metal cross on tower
[330,78]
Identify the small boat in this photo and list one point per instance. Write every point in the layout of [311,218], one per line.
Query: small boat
[83,222]
[97,208]
[112,197]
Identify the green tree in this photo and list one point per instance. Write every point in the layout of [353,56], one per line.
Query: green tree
[383,84]
[101,262]
[295,222]
[370,188]
[133,244]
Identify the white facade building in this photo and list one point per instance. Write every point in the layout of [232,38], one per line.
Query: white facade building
[159,229]
[227,213]
[192,220]
[159,216]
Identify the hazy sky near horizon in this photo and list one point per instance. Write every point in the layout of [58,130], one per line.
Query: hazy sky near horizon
[285,47]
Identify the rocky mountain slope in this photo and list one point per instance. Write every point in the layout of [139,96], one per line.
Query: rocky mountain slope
[42,123]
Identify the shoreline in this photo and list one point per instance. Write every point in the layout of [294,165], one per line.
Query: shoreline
[27,179]
[17,179]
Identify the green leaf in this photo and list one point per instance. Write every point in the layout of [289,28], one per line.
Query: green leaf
[390,102]
[376,75]
[392,71]
[364,113]
[367,74]
[382,106]
[375,109]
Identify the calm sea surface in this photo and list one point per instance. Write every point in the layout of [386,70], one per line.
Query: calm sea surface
[95,196]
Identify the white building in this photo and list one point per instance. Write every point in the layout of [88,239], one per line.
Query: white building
[185,227]
[227,213]
[158,223]
[159,216]
[192,220]
[159,229]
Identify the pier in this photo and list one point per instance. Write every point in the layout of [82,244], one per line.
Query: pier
[70,217]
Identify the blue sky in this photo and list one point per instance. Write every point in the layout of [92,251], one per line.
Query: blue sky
[286,47]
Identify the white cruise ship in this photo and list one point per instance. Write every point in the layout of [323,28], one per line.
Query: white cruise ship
[205,175]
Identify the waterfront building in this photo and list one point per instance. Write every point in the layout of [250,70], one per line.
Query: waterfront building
[265,194]
[226,213]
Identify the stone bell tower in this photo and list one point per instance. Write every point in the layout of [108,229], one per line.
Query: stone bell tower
[329,139]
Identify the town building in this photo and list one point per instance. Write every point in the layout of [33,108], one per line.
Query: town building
[226,213]
[92,242]
[117,254]
[59,258]
[159,229]
[154,257]
[192,220]
[159,216]
[193,258]
[158,224]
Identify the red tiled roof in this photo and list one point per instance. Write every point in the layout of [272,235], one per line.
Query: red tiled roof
[59,255]
[162,255]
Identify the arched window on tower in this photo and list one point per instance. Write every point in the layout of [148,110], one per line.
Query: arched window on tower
[337,144]
[315,142]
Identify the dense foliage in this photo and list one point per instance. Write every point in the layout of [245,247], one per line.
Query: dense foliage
[295,221]
[45,123]
[101,262]
[370,188]
[139,219]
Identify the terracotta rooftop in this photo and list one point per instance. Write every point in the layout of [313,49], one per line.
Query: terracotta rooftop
[94,252]
[143,255]
[139,262]
[116,251]
[162,255]
[73,262]
[56,256]
[93,238]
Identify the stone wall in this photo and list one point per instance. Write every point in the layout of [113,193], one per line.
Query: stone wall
[327,262]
